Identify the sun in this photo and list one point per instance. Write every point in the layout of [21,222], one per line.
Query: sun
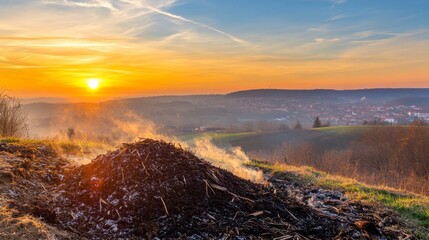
[93,83]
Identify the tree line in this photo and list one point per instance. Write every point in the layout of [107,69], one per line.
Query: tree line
[395,156]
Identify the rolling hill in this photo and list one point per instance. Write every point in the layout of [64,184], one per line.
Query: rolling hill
[325,138]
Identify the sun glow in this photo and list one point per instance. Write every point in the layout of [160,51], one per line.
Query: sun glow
[93,83]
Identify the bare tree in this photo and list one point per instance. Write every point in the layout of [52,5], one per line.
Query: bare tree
[13,119]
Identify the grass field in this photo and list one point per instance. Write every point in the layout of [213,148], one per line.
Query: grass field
[326,138]
[413,208]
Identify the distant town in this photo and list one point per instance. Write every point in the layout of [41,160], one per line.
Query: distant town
[252,110]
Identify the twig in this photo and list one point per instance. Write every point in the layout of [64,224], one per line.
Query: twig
[117,212]
[123,176]
[293,216]
[120,153]
[255,214]
[240,197]
[102,200]
[207,188]
[156,169]
[210,216]
[287,237]
[219,187]
[147,156]
[165,206]
[43,186]
[72,214]
[145,169]
[235,216]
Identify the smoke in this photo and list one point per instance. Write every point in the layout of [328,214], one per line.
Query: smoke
[114,125]
[232,159]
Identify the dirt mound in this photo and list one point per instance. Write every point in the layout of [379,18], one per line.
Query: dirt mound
[14,225]
[154,189]
[27,172]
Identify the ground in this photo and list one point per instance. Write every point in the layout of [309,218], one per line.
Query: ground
[29,170]
[412,208]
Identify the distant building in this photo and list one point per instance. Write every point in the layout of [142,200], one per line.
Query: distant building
[424,116]
[390,121]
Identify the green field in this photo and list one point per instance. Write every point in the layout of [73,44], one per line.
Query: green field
[326,138]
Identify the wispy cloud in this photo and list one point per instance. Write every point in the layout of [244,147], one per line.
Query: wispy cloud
[233,38]
[87,4]
[337,2]
[337,17]
[139,9]
[326,40]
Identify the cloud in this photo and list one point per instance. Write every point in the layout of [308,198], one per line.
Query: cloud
[320,29]
[129,9]
[337,17]
[326,40]
[337,2]
[87,4]
[233,38]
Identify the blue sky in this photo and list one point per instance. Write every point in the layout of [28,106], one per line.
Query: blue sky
[276,16]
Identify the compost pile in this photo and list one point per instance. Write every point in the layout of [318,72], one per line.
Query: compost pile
[153,189]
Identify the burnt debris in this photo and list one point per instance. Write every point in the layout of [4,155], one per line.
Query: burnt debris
[153,189]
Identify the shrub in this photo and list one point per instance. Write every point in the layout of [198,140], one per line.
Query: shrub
[13,119]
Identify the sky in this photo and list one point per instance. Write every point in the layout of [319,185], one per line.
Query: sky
[52,48]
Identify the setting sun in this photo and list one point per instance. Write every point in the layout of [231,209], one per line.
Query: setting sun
[93,83]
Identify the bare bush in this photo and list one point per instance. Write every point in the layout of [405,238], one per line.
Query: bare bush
[13,119]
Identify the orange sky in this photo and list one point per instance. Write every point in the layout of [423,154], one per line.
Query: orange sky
[53,53]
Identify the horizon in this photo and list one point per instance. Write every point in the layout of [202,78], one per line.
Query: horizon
[128,48]
[53,100]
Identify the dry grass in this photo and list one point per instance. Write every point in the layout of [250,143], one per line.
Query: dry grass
[413,208]
[66,148]
[78,151]
[15,226]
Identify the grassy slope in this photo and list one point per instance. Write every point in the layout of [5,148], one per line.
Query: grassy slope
[222,137]
[413,209]
[327,138]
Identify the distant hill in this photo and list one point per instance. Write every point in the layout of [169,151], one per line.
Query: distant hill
[44,100]
[386,94]
[263,109]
